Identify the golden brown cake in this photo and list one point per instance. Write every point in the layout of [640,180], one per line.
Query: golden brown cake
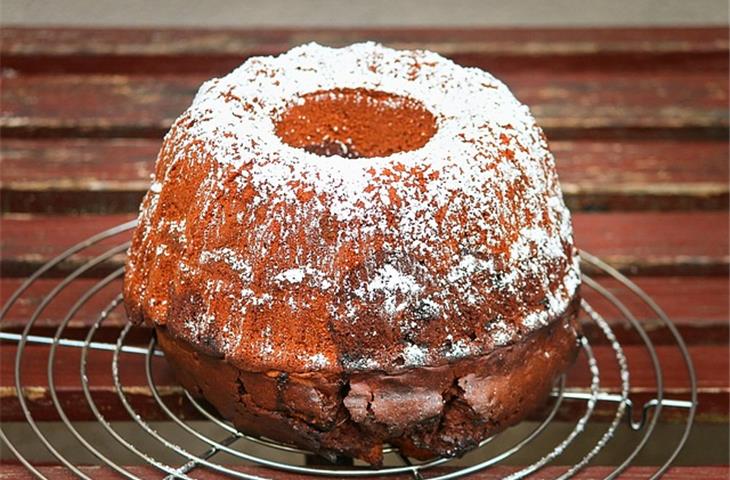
[343,248]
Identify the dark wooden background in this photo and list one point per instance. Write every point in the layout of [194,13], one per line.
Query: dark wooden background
[637,119]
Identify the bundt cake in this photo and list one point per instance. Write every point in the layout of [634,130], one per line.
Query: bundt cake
[346,248]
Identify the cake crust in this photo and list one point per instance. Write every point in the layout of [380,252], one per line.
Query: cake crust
[284,245]
[425,411]
[416,258]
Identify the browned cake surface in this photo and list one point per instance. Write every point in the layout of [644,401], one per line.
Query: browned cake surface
[302,227]
[425,411]
[353,123]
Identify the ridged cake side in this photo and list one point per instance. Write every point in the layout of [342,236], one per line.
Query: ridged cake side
[275,258]
[425,411]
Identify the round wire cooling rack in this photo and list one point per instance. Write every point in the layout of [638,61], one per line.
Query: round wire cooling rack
[248,449]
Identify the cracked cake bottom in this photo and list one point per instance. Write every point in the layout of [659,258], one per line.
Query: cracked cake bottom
[425,411]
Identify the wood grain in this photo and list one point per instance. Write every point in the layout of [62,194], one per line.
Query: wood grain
[16,472]
[698,306]
[711,364]
[111,175]
[637,119]
[572,105]
[33,51]
[671,243]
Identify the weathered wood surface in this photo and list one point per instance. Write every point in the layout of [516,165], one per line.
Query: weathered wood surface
[698,306]
[637,119]
[499,50]
[111,175]
[14,472]
[567,105]
[711,363]
[672,243]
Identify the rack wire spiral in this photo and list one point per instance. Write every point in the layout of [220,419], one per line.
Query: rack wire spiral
[590,396]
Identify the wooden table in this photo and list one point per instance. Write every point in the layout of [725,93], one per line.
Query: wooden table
[637,119]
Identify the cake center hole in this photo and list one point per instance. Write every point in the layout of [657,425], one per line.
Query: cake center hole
[356,123]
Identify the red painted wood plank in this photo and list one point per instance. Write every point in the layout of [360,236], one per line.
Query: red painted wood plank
[698,306]
[111,175]
[644,174]
[17,472]
[641,162]
[654,234]
[121,105]
[566,105]
[55,312]
[116,41]
[127,161]
[711,364]
[47,235]
[85,163]
[646,242]
[68,385]
[145,51]
[27,242]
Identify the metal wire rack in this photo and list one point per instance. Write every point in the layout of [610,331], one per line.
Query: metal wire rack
[237,444]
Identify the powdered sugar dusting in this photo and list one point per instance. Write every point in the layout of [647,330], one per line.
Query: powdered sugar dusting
[501,332]
[415,355]
[296,276]
[393,285]
[231,258]
[466,226]
[293,275]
